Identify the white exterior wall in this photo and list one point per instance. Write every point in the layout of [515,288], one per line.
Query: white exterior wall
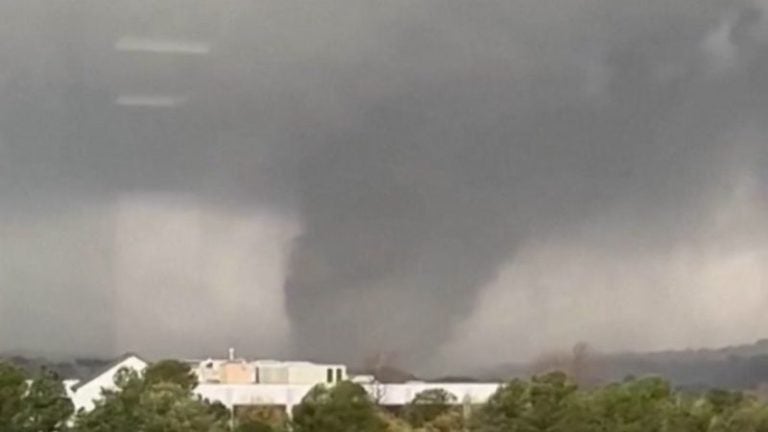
[363,379]
[209,374]
[286,394]
[401,394]
[299,373]
[85,395]
[69,385]
[306,374]
[291,394]
[271,373]
[310,373]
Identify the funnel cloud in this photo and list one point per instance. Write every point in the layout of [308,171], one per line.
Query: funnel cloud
[345,178]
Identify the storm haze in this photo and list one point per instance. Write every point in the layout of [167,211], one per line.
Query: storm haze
[453,181]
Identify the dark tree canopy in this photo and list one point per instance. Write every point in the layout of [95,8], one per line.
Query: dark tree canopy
[428,405]
[46,407]
[171,371]
[162,400]
[12,388]
[345,407]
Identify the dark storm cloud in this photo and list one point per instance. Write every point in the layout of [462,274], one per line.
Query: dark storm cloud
[420,144]
[484,125]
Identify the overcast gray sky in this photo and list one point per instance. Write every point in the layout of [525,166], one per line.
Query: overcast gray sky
[461,182]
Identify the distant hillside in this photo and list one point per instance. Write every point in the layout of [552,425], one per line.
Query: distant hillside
[734,367]
[748,350]
[78,368]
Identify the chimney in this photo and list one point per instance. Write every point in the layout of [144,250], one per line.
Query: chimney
[231,354]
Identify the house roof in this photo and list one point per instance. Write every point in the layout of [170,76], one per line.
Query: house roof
[106,368]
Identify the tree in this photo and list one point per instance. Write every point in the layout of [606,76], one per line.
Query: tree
[449,421]
[428,405]
[688,414]
[252,425]
[642,405]
[171,371]
[751,417]
[154,405]
[547,403]
[219,411]
[724,401]
[167,407]
[394,423]
[344,407]
[553,398]
[46,406]
[118,409]
[504,408]
[13,386]
[260,418]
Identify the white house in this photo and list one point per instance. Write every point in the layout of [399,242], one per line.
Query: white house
[291,381]
[87,391]
[288,395]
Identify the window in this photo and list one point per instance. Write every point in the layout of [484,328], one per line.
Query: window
[329,376]
[339,376]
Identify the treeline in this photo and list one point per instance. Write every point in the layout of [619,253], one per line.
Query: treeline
[77,368]
[733,372]
[161,399]
[742,367]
